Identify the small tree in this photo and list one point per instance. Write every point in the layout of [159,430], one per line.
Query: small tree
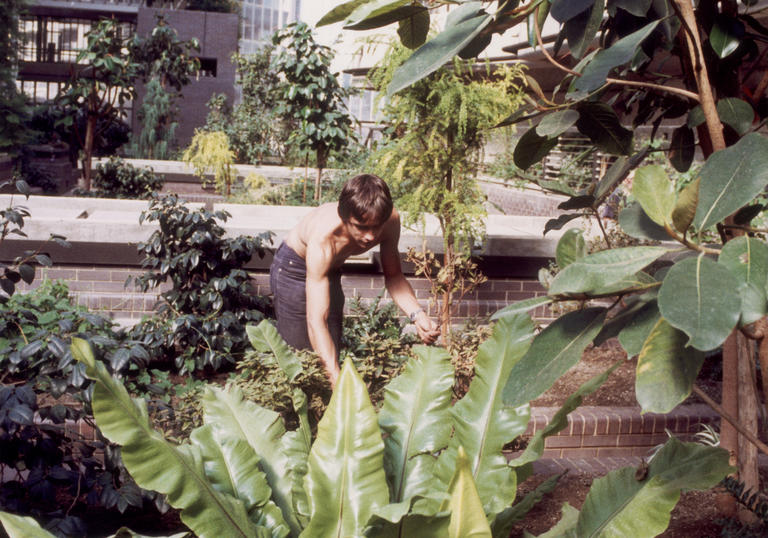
[210,153]
[431,156]
[165,63]
[253,126]
[100,87]
[311,95]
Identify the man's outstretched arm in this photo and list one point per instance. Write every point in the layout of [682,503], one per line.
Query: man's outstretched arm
[399,287]
[318,308]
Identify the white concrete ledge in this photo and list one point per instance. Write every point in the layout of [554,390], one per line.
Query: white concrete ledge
[100,220]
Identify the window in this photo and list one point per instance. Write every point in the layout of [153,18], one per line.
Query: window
[260,18]
[207,67]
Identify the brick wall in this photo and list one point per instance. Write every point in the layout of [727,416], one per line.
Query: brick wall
[102,289]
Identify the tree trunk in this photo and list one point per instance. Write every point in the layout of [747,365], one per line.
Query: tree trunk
[90,131]
[748,471]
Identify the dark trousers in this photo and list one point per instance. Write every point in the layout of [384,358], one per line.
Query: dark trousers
[288,280]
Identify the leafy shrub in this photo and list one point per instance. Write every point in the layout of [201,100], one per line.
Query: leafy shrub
[116,178]
[200,321]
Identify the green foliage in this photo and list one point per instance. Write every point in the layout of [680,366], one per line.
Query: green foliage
[311,95]
[254,128]
[201,319]
[421,467]
[116,178]
[431,153]
[101,88]
[166,64]
[13,104]
[216,6]
[209,153]
[158,128]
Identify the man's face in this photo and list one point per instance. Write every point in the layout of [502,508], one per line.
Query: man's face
[364,232]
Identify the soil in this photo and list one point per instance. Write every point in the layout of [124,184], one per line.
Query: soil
[696,514]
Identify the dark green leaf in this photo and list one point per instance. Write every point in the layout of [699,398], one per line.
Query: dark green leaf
[436,52]
[636,223]
[638,8]
[476,46]
[682,148]
[43,259]
[635,305]
[502,524]
[601,269]
[747,259]
[341,12]
[747,213]
[570,247]
[732,178]
[531,148]
[599,122]
[557,123]
[381,13]
[666,369]
[594,74]
[564,10]
[27,273]
[582,29]
[725,36]
[552,353]
[618,171]
[559,222]
[413,30]
[577,202]
[633,336]
[736,113]
[23,187]
[700,297]
[521,306]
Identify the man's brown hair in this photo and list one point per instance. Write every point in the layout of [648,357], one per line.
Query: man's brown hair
[364,197]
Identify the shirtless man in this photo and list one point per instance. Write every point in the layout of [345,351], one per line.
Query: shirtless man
[305,276]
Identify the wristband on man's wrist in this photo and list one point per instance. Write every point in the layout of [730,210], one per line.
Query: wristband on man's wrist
[412,315]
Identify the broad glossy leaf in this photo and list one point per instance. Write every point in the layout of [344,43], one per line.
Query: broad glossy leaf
[634,306]
[594,74]
[483,423]
[620,505]
[682,148]
[582,29]
[233,468]
[232,416]
[736,113]
[563,10]
[22,526]
[655,193]
[501,526]
[416,417]
[341,12]
[603,268]
[531,148]
[633,336]
[559,420]
[732,178]
[380,13]
[553,352]
[747,259]
[557,123]
[725,36]
[685,207]
[467,515]
[414,29]
[666,369]
[570,247]
[521,306]
[618,171]
[638,8]
[435,52]
[559,222]
[700,297]
[636,223]
[599,122]
[346,480]
[157,465]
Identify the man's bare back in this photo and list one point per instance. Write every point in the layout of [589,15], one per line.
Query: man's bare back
[323,228]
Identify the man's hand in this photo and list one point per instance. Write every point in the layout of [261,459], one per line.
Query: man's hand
[427,329]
